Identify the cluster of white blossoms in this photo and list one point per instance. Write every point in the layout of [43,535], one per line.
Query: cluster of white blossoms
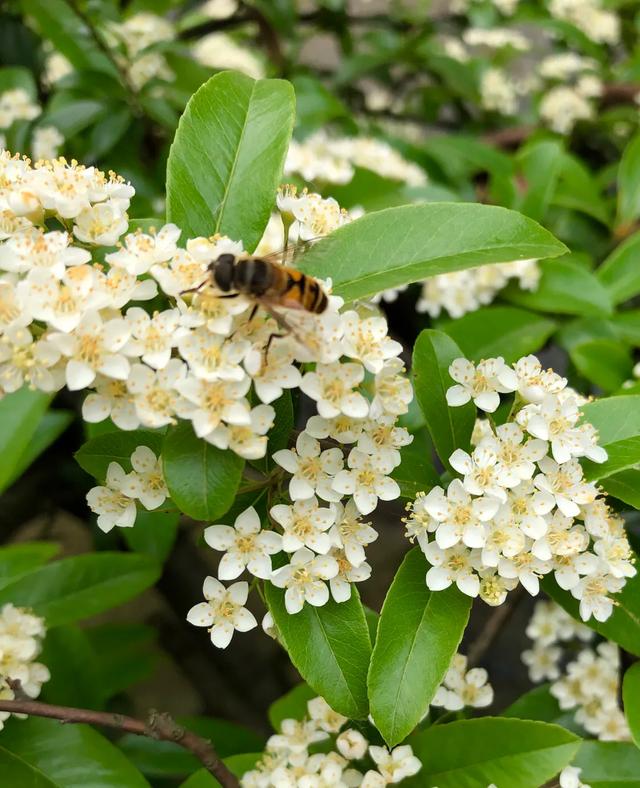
[115,502]
[66,317]
[463,688]
[588,683]
[521,508]
[221,51]
[333,160]
[17,105]
[460,292]
[498,92]
[137,35]
[287,762]
[599,24]
[21,636]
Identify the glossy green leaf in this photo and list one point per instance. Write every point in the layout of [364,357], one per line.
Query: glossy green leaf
[625,486]
[498,331]
[620,273]
[39,753]
[629,184]
[622,455]
[540,163]
[13,77]
[20,559]
[578,190]
[292,705]
[537,704]
[20,414]
[511,753]
[609,764]
[615,418]
[82,586]
[604,362]
[450,428]
[631,700]
[566,288]
[52,424]
[416,472]
[418,633]
[96,454]
[626,325]
[330,647]
[154,533]
[226,159]
[400,245]
[74,668]
[124,655]
[202,479]
[623,626]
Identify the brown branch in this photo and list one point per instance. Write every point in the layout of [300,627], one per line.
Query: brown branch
[498,618]
[159,726]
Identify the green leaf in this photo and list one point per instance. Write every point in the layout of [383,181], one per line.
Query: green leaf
[511,753]
[202,479]
[12,77]
[292,705]
[96,454]
[537,704]
[540,163]
[226,159]
[498,331]
[625,486]
[622,455]
[154,533]
[20,414]
[165,759]
[418,633]
[41,753]
[615,418]
[315,104]
[73,115]
[330,647]
[623,626]
[626,325]
[52,424]
[412,242]
[450,428]
[416,472]
[578,190]
[631,700]
[604,362]
[566,288]
[20,559]
[461,157]
[629,184]
[609,764]
[620,273]
[82,586]
[73,664]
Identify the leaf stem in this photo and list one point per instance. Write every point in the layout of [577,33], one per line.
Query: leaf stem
[159,725]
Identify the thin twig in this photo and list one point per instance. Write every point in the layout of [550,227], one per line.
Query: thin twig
[501,614]
[159,726]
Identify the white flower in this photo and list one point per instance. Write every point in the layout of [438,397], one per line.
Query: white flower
[324,716]
[296,736]
[273,374]
[554,420]
[342,429]
[482,383]
[312,469]
[25,360]
[223,612]
[245,545]
[350,533]
[498,93]
[34,248]
[393,391]
[562,107]
[154,393]
[382,437]
[208,403]
[503,537]
[394,766]
[340,585]
[212,357]
[570,778]
[367,480]
[93,347]
[526,506]
[142,250]
[481,472]
[542,661]
[461,518]
[220,51]
[453,565]
[616,555]
[305,524]
[332,386]
[564,485]
[118,287]
[246,440]
[593,592]
[526,568]
[46,142]
[152,338]
[110,503]
[61,302]
[515,459]
[146,481]
[101,224]
[463,688]
[182,272]
[367,341]
[352,744]
[304,578]
[419,523]
[111,398]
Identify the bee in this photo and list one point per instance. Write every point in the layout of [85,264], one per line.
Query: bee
[269,283]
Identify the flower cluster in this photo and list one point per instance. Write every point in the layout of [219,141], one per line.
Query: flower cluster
[21,635]
[138,36]
[287,762]
[465,291]
[521,508]
[115,503]
[462,688]
[220,51]
[17,105]
[587,684]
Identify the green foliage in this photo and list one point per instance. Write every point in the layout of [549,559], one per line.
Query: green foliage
[397,246]
[418,634]
[609,764]
[330,647]
[629,184]
[292,705]
[631,700]
[450,428]
[241,129]
[20,415]
[510,752]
